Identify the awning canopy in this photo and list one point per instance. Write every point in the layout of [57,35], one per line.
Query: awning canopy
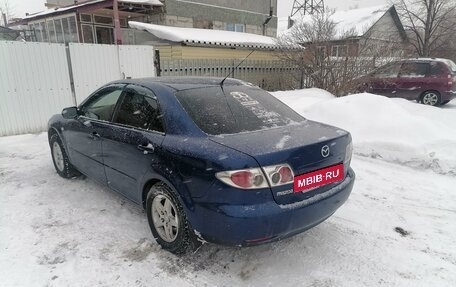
[206,37]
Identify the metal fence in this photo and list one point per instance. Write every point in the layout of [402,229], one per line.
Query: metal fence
[268,74]
[38,80]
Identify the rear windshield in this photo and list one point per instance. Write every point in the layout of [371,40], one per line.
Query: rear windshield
[235,109]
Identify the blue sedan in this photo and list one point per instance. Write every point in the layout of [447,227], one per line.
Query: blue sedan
[209,160]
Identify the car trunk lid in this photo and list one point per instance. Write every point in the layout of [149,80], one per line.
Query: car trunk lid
[299,145]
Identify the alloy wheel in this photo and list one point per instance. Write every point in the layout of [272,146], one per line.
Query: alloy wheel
[431,99]
[58,156]
[165,219]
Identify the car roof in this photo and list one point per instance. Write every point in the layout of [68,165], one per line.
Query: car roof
[182,83]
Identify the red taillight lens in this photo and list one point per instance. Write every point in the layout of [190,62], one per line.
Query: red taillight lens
[242,178]
[252,178]
[286,175]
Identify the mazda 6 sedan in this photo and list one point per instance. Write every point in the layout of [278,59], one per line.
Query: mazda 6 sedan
[208,160]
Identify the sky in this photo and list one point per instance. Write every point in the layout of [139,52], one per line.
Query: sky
[20,7]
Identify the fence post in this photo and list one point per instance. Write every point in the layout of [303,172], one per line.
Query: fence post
[157,63]
[70,73]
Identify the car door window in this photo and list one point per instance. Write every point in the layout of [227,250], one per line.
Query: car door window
[388,71]
[139,109]
[101,105]
[414,70]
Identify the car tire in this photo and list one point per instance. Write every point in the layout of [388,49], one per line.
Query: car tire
[60,158]
[168,221]
[431,98]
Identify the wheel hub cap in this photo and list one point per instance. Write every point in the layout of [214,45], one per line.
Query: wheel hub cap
[58,156]
[430,99]
[164,216]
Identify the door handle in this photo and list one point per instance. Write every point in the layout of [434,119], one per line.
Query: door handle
[146,147]
[94,136]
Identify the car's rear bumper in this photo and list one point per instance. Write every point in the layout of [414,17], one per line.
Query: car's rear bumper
[255,224]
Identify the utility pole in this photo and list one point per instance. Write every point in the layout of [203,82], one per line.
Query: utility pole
[305,7]
[309,7]
[117,32]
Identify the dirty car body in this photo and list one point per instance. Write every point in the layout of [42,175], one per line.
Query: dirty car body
[245,168]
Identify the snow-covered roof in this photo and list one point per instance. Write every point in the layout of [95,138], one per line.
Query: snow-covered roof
[355,21]
[81,4]
[358,20]
[206,37]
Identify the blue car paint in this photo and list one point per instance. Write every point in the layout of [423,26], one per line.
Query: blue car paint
[187,160]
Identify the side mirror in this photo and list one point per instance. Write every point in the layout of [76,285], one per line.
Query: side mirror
[70,113]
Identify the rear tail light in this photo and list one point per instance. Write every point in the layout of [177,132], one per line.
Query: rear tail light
[256,178]
[252,178]
[279,174]
[450,80]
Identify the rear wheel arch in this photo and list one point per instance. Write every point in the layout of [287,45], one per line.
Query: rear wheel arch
[182,195]
[52,131]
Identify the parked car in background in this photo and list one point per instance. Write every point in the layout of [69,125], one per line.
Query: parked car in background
[224,162]
[431,81]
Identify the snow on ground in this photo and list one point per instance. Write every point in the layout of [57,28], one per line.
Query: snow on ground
[396,229]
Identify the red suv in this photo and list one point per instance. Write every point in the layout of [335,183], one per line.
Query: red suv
[429,81]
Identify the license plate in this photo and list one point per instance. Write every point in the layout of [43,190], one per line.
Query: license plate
[308,181]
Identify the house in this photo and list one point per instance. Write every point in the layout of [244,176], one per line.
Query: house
[373,31]
[233,15]
[93,21]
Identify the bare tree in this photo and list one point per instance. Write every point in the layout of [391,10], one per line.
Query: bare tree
[336,73]
[430,23]
[6,11]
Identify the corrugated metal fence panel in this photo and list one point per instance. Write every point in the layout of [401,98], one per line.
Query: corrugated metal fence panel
[34,85]
[137,61]
[93,65]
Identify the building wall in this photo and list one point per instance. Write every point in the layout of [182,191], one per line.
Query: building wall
[257,6]
[216,14]
[177,52]
[385,29]
[53,3]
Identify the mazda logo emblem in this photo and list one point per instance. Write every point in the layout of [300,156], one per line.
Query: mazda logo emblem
[325,151]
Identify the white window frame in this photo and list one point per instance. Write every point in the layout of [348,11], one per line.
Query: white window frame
[46,20]
[338,48]
[93,33]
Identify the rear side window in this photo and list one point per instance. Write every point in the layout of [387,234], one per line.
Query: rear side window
[388,71]
[139,109]
[235,109]
[437,69]
[414,70]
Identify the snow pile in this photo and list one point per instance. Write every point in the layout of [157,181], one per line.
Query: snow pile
[395,130]
[204,36]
